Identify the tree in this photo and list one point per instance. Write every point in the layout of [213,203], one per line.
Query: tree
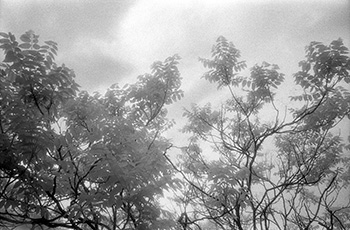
[72,160]
[302,182]
[79,161]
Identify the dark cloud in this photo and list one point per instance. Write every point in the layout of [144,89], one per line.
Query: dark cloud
[98,71]
[68,23]
[110,40]
[64,19]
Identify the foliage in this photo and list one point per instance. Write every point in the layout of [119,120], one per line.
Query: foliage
[74,160]
[302,181]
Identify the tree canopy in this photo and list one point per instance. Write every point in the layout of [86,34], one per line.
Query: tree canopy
[74,160]
[300,183]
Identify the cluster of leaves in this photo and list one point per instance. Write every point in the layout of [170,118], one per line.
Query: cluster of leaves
[302,182]
[224,64]
[324,88]
[74,160]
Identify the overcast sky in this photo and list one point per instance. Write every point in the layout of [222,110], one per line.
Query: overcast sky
[114,41]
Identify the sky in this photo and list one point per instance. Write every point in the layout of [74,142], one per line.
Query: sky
[114,41]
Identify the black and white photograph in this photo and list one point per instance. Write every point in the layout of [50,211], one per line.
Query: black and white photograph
[174,115]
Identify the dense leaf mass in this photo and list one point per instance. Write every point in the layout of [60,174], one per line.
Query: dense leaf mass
[74,160]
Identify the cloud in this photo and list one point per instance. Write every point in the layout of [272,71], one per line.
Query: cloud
[95,64]
[133,34]
[64,18]
[82,31]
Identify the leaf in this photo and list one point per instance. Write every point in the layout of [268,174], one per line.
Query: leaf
[36,46]
[12,37]
[249,83]
[47,64]
[42,51]
[4,40]
[50,43]
[8,204]
[253,86]
[10,57]
[25,45]
[45,47]
[25,38]
[17,184]
[53,51]
[2,202]
[265,64]
[5,35]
